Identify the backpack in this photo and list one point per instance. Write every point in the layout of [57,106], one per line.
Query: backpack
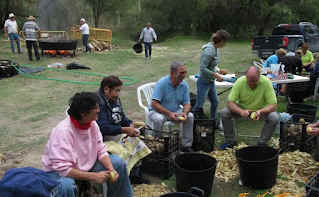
[8,69]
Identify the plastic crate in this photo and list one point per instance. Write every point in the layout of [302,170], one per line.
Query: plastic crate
[299,109]
[312,187]
[293,136]
[163,146]
[163,143]
[204,135]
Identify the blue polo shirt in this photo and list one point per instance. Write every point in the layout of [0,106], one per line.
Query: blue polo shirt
[170,97]
[271,60]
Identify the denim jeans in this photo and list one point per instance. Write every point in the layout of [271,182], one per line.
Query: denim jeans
[85,39]
[121,188]
[205,89]
[32,44]
[14,37]
[148,49]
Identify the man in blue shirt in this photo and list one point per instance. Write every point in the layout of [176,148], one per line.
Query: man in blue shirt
[169,93]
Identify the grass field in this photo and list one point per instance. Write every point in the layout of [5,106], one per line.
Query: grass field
[30,108]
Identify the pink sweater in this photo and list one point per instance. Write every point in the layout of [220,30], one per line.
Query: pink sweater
[69,148]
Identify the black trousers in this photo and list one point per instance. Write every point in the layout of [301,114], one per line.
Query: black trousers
[34,44]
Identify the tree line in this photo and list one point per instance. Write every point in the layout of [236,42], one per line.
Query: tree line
[242,18]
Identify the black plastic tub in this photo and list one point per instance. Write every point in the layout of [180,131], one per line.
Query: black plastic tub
[195,170]
[258,166]
[194,192]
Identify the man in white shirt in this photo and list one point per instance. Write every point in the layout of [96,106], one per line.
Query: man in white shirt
[148,34]
[11,28]
[85,31]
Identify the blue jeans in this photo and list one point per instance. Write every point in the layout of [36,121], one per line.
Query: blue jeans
[14,37]
[205,89]
[121,188]
[85,39]
[148,49]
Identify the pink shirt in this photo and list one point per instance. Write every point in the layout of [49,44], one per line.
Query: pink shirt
[69,148]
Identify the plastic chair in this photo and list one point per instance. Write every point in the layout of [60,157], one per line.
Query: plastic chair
[147,91]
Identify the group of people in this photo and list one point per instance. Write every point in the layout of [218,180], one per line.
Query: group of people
[30,30]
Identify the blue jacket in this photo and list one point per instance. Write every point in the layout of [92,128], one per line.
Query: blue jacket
[111,118]
[26,182]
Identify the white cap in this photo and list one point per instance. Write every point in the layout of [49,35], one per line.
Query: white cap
[82,20]
[11,15]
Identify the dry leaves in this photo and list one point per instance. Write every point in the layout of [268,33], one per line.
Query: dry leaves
[153,190]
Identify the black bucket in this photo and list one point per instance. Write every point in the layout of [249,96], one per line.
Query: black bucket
[195,170]
[138,48]
[194,192]
[258,166]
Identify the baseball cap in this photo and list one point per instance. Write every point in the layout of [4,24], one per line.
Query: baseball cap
[11,15]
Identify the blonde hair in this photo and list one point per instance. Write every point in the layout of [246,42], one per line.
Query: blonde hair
[281,52]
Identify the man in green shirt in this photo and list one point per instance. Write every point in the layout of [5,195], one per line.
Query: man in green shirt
[251,93]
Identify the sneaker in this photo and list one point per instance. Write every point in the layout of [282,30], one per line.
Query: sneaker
[227,145]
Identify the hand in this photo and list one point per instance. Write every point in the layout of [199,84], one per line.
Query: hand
[314,130]
[173,116]
[244,113]
[115,178]
[100,177]
[219,78]
[131,131]
[182,117]
[223,71]
[258,113]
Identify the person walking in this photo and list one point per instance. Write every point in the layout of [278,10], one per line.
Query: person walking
[209,73]
[85,31]
[11,28]
[148,35]
[31,30]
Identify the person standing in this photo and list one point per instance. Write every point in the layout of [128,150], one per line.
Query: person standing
[11,28]
[31,30]
[148,35]
[85,31]
[209,73]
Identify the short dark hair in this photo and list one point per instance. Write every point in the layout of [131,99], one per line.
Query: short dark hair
[175,65]
[110,82]
[220,35]
[82,102]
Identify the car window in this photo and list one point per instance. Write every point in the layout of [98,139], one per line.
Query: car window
[311,29]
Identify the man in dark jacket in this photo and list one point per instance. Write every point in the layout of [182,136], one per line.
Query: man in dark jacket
[112,119]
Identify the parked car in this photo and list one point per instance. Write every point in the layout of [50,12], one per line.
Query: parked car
[287,36]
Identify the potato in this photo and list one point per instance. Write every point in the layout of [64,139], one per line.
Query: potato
[139,124]
[112,176]
[180,118]
[302,121]
[309,129]
[253,116]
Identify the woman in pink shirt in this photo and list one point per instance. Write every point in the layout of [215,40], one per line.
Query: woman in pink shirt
[75,151]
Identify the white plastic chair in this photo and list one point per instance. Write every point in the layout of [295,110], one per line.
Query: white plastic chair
[147,91]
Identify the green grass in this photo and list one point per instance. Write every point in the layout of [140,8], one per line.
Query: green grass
[31,107]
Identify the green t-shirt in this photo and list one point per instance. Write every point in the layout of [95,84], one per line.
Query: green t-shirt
[255,99]
[307,58]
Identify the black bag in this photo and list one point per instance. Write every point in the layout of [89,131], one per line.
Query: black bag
[7,69]
[138,48]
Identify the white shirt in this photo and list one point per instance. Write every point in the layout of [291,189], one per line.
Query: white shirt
[148,34]
[85,29]
[11,25]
